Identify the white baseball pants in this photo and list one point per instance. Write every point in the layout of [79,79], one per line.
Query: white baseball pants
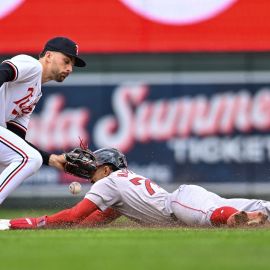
[194,205]
[18,160]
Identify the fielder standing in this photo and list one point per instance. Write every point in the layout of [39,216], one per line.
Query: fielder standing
[21,78]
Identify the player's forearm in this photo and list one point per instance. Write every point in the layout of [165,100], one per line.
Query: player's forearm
[99,218]
[52,160]
[15,128]
[57,161]
[73,215]
[66,217]
[45,155]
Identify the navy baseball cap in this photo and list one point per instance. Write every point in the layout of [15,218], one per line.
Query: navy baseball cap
[65,46]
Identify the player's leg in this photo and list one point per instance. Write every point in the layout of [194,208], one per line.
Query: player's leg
[19,160]
[249,205]
[194,205]
[252,218]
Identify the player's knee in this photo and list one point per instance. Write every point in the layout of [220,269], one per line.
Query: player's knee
[35,160]
[186,215]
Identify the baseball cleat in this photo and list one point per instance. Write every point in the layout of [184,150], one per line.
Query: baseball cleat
[247,218]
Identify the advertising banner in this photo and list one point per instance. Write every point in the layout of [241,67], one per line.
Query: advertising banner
[136,25]
[207,131]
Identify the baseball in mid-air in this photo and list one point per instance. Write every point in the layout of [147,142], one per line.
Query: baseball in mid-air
[75,188]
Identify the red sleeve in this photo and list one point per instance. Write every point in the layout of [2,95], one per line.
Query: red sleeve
[73,215]
[99,218]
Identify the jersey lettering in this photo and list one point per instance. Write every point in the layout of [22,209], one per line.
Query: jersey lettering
[147,182]
[23,106]
[124,173]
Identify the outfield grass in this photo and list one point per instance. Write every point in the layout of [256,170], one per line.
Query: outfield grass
[134,248]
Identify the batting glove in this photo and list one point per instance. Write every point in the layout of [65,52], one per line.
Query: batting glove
[4,224]
[27,223]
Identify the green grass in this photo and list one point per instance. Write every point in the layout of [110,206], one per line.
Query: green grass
[133,248]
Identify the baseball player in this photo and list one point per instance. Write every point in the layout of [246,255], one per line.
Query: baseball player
[117,191]
[21,78]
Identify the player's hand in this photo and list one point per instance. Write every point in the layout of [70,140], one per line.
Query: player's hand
[4,224]
[27,223]
[57,161]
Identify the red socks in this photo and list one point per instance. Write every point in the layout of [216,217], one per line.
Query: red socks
[221,215]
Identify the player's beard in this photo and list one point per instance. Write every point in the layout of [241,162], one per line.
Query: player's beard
[60,77]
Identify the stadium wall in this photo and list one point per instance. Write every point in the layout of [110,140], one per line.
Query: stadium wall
[176,121]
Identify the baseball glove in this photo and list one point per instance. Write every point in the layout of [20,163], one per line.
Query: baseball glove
[80,162]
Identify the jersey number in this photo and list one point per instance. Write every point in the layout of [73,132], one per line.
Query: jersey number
[148,182]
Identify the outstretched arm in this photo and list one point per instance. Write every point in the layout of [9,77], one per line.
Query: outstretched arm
[100,218]
[57,161]
[63,218]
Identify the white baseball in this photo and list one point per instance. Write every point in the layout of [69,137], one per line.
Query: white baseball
[75,188]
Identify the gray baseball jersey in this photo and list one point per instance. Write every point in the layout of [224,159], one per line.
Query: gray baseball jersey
[19,97]
[133,196]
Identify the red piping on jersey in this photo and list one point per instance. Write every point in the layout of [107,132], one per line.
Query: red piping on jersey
[189,207]
[25,160]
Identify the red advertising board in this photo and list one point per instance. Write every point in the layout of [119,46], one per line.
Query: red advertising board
[137,25]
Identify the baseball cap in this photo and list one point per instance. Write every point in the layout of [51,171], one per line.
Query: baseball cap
[65,46]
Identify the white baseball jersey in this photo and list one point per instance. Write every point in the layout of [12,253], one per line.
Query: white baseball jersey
[19,97]
[133,196]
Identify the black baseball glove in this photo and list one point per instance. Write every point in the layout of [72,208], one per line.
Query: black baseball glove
[80,162]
